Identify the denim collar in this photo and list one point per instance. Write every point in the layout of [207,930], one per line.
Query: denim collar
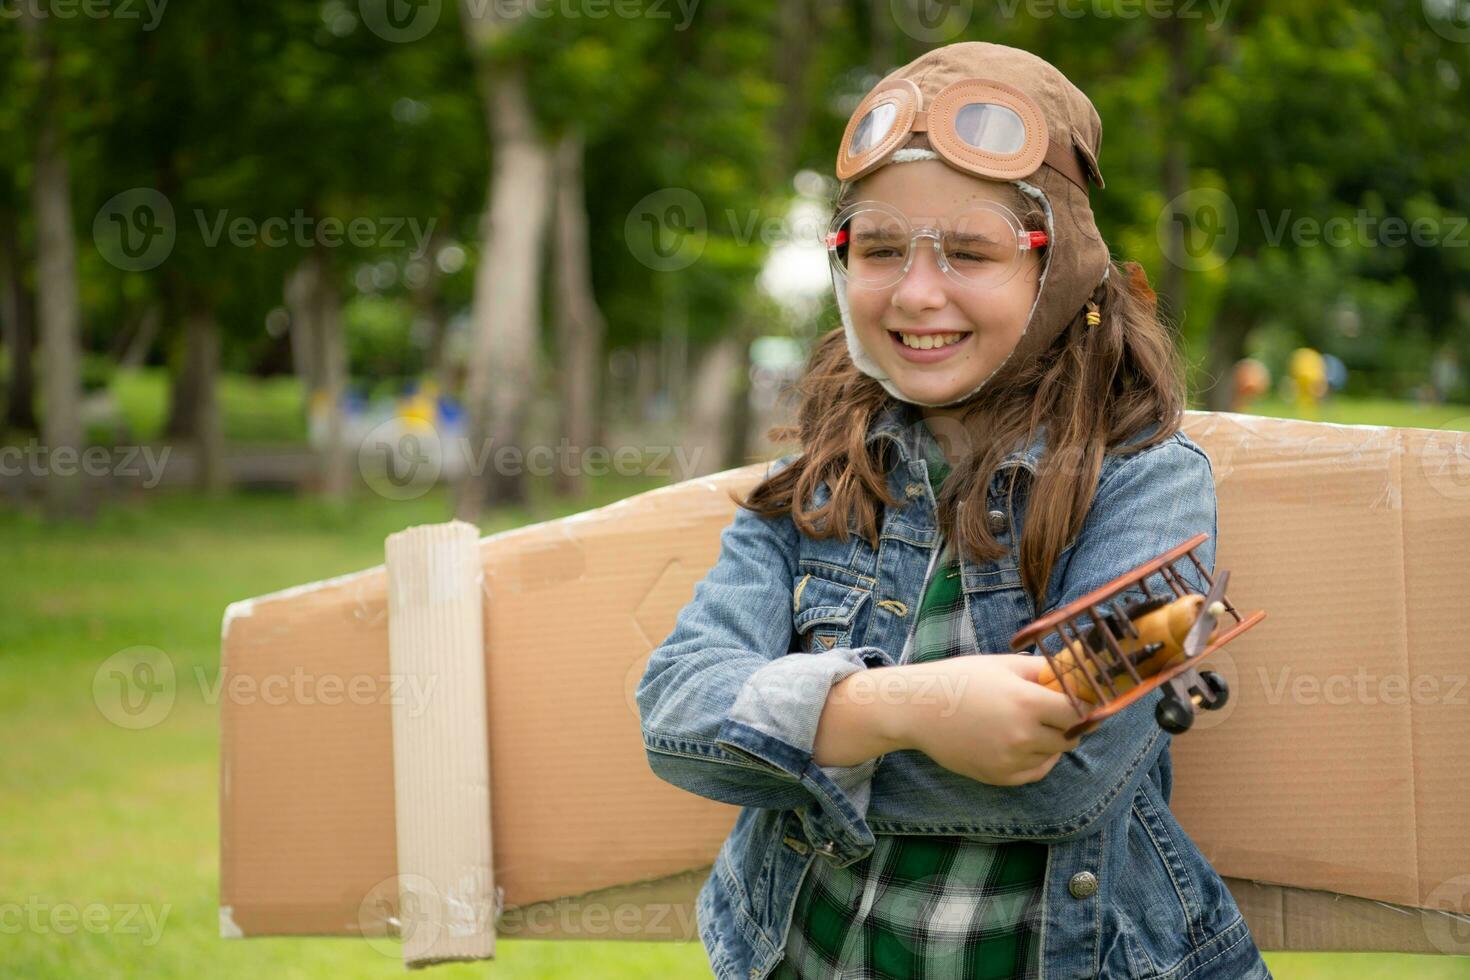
[904,425]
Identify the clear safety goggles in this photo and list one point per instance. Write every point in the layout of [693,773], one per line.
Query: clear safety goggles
[980,126]
[872,244]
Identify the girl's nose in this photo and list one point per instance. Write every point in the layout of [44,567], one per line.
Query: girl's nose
[923,286]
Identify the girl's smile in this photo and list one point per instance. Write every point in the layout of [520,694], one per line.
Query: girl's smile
[937,338]
[929,346]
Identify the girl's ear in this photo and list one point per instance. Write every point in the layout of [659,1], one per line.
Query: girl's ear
[1089,162]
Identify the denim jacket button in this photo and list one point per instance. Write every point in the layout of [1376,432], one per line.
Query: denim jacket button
[828,847]
[997,521]
[1083,884]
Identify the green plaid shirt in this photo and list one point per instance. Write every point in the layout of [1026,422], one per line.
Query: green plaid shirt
[923,907]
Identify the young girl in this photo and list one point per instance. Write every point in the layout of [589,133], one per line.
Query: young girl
[994,433]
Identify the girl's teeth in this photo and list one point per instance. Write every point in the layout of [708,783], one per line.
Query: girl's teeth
[929,341]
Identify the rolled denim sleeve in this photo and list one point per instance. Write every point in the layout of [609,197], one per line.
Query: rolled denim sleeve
[729,712]
[1149,503]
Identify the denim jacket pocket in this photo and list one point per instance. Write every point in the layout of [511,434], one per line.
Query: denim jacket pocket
[824,611]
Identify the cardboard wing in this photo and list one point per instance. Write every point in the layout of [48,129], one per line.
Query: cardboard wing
[1329,790]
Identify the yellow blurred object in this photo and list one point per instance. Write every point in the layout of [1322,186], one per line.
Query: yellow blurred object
[1167,625]
[1309,371]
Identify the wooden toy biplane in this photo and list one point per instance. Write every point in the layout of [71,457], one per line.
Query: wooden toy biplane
[1115,655]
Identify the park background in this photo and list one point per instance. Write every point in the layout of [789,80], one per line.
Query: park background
[259,260]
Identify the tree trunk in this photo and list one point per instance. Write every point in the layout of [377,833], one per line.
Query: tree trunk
[183,387]
[507,310]
[315,304]
[298,293]
[579,323]
[1227,345]
[58,315]
[141,342]
[1176,160]
[202,361]
[737,431]
[428,308]
[709,406]
[18,323]
[331,356]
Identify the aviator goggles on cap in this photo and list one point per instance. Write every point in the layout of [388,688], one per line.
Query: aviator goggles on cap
[872,244]
[980,126]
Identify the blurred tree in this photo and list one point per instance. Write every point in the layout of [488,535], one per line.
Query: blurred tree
[17,294]
[57,307]
[507,308]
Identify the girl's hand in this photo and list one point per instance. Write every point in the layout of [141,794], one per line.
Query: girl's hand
[985,716]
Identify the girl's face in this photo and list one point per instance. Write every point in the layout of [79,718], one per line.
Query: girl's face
[926,301]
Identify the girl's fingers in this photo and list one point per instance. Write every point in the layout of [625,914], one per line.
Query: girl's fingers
[1023,664]
[1036,772]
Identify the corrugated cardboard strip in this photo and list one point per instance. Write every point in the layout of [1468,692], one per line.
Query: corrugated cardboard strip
[1330,790]
[441,764]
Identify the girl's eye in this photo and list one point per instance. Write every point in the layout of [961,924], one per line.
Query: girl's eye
[967,257]
[880,253]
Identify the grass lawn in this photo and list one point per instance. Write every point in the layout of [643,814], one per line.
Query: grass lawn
[109,849]
[1372,411]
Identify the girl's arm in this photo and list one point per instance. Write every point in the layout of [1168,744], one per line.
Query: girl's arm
[726,714]
[1149,503]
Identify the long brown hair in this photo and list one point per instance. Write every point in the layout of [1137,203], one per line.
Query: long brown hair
[1097,387]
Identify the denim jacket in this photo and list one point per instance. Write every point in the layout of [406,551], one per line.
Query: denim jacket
[727,714]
